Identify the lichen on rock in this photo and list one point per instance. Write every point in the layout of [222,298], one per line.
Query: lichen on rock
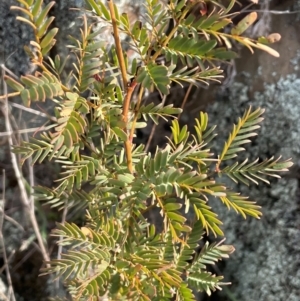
[266,262]
[13,34]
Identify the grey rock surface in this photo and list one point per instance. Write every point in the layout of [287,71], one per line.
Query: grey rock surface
[265,266]
[13,34]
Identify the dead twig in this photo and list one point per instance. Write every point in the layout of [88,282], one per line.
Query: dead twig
[9,72]
[10,293]
[26,201]
[59,251]
[186,96]
[154,128]
[31,175]
[273,12]
[38,113]
[12,221]
[4,297]
[24,131]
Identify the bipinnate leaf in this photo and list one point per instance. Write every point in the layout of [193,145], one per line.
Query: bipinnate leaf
[241,205]
[179,134]
[36,87]
[40,19]
[221,24]
[185,45]
[203,134]
[120,133]
[154,112]
[36,7]
[242,131]
[211,254]
[204,281]
[256,171]
[187,249]
[37,18]
[198,277]
[71,121]
[186,293]
[208,219]
[190,51]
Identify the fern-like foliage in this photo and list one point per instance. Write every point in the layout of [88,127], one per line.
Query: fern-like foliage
[70,121]
[88,53]
[242,131]
[118,252]
[39,87]
[36,15]
[254,171]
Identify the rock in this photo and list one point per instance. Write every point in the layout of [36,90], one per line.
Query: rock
[13,35]
[265,265]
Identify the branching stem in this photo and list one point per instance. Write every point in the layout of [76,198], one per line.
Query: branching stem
[128,88]
[128,142]
[26,201]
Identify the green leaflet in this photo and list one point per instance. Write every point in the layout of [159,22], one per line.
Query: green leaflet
[36,88]
[13,83]
[154,75]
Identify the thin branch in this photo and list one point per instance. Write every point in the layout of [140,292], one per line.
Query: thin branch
[128,142]
[31,176]
[187,94]
[11,220]
[126,103]
[4,297]
[9,71]
[23,131]
[9,259]
[137,107]
[154,127]
[274,12]
[118,44]
[24,258]
[24,197]
[5,259]
[59,251]
[127,88]
[33,111]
